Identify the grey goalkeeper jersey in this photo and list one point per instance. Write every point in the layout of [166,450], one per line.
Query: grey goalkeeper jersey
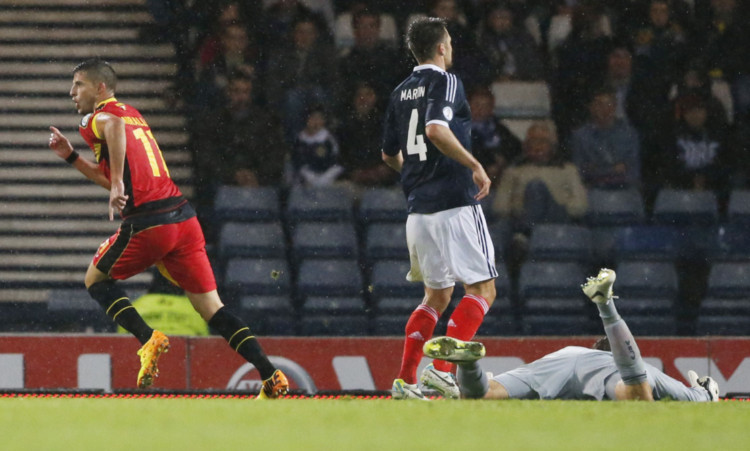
[582,373]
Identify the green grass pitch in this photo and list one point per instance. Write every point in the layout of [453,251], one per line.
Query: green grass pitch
[339,425]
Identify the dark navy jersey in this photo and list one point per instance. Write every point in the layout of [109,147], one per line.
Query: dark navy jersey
[432,181]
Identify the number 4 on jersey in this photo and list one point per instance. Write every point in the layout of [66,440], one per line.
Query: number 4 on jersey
[415,143]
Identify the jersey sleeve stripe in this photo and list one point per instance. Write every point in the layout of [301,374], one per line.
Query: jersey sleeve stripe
[438,122]
[453,88]
[447,86]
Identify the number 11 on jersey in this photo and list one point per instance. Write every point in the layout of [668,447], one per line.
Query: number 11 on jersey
[415,143]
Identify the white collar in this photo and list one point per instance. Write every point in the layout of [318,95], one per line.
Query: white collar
[428,66]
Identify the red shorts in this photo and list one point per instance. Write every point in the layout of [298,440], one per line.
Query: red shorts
[178,250]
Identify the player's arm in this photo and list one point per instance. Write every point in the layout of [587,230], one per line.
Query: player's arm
[395,162]
[64,149]
[113,131]
[447,143]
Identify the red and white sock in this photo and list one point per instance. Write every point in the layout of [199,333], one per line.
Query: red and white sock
[419,329]
[464,322]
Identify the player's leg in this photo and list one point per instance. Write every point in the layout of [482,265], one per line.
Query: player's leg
[419,329]
[124,255]
[189,267]
[624,349]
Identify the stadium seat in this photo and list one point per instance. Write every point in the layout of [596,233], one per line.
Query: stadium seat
[730,242]
[738,210]
[250,276]
[565,325]
[651,325]
[615,207]
[334,277]
[334,305]
[324,240]
[382,205]
[644,306]
[499,325]
[560,242]
[397,306]
[646,242]
[237,203]
[501,233]
[685,207]
[265,306]
[386,241]
[31,316]
[257,240]
[727,325]
[550,279]
[522,99]
[574,306]
[646,279]
[323,203]
[73,310]
[729,280]
[389,324]
[388,280]
[335,325]
[712,306]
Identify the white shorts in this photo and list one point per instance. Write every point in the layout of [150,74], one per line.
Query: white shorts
[449,246]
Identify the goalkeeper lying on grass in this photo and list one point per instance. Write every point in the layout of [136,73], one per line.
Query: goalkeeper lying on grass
[613,370]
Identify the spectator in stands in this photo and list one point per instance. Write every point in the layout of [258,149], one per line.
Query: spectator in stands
[539,187]
[512,52]
[281,17]
[580,61]
[235,53]
[697,157]
[360,134]
[492,143]
[606,149]
[236,143]
[370,59]
[300,75]
[315,155]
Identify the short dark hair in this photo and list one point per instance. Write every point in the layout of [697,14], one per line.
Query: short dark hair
[98,70]
[424,35]
[602,344]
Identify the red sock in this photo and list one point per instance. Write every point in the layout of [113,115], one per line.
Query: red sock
[419,329]
[464,322]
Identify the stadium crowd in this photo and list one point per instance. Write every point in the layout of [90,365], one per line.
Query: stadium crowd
[645,95]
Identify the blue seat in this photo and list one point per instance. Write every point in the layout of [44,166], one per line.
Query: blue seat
[389,324]
[257,239]
[615,207]
[651,325]
[712,306]
[560,242]
[388,280]
[237,203]
[397,306]
[335,325]
[644,306]
[550,279]
[565,325]
[333,305]
[727,325]
[73,310]
[729,280]
[382,205]
[731,243]
[646,279]
[501,233]
[738,210]
[685,207]
[265,306]
[324,240]
[323,203]
[386,241]
[647,242]
[574,306]
[257,276]
[499,325]
[332,277]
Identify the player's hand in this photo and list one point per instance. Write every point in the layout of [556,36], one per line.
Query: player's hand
[483,182]
[117,198]
[59,143]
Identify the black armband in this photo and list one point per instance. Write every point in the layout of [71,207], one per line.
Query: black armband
[72,157]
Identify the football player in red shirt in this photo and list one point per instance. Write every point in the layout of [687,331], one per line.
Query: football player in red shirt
[159,226]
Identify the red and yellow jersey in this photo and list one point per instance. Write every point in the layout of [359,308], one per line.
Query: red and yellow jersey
[145,174]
